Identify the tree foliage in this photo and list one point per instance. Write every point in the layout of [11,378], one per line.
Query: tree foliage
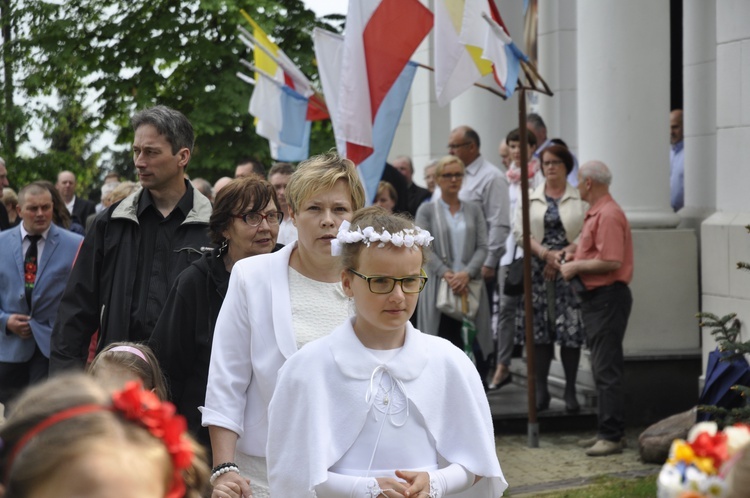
[84,67]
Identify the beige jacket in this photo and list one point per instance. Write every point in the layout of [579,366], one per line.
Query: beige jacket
[572,211]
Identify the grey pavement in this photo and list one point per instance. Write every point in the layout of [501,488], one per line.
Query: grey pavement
[557,463]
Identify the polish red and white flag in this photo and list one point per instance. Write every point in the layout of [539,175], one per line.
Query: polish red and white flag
[381,36]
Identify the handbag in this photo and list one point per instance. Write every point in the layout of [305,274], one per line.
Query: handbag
[449,303]
[514,278]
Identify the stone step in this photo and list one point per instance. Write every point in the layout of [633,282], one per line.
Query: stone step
[510,414]
[585,391]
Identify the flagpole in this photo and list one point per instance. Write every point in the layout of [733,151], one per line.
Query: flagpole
[531,85]
[478,85]
[533,424]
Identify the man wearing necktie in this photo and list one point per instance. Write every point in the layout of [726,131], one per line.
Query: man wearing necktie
[35,262]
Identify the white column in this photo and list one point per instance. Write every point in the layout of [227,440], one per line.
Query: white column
[699,76]
[557,51]
[490,116]
[623,109]
[623,120]
[724,239]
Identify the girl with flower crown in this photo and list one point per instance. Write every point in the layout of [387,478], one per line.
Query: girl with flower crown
[370,410]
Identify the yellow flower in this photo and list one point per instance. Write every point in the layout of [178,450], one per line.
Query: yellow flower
[681,452]
[705,465]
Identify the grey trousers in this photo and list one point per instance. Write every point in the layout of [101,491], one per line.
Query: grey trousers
[506,327]
[605,317]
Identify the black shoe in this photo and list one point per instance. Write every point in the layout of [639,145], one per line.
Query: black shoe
[543,404]
[572,409]
[571,405]
[507,380]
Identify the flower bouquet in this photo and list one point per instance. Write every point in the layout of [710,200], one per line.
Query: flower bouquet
[698,467]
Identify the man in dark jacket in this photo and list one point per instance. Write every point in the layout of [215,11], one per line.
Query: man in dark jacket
[416,195]
[79,209]
[135,250]
[392,176]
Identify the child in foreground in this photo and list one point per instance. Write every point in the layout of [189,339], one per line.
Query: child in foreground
[123,362]
[378,408]
[70,438]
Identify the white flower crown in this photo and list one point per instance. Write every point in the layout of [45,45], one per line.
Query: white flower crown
[408,237]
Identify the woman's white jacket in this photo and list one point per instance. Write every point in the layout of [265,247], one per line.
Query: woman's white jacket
[253,338]
[572,212]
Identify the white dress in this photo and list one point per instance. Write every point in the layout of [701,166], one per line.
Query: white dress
[341,409]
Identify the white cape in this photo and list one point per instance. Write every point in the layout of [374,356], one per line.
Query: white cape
[318,409]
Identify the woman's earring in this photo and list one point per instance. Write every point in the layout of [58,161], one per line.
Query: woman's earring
[223,248]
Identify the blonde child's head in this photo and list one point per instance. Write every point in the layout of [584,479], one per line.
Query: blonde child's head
[121,362]
[70,437]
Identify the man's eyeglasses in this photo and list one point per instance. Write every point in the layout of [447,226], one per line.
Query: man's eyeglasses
[452,176]
[457,146]
[255,219]
[385,285]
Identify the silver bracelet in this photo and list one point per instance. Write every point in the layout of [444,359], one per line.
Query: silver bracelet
[221,472]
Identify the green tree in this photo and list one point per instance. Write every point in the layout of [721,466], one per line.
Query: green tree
[114,57]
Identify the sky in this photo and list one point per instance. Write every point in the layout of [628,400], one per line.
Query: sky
[325,7]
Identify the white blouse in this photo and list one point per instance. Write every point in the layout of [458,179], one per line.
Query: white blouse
[317,307]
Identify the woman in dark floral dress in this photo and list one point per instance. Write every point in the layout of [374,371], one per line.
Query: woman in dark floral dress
[556,214]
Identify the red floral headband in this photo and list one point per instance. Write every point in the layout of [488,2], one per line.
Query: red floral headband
[139,406]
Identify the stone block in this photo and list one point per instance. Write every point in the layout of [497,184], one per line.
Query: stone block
[655,441]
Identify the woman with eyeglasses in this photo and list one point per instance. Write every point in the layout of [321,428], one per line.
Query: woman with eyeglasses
[458,253]
[244,223]
[556,214]
[276,304]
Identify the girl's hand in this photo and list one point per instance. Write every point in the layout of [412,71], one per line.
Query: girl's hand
[419,482]
[231,485]
[392,488]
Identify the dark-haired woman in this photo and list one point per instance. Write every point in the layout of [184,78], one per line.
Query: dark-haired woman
[556,214]
[244,223]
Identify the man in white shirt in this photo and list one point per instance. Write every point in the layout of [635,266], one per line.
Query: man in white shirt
[485,184]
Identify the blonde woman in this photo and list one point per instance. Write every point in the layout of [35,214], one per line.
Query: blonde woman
[458,253]
[275,304]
